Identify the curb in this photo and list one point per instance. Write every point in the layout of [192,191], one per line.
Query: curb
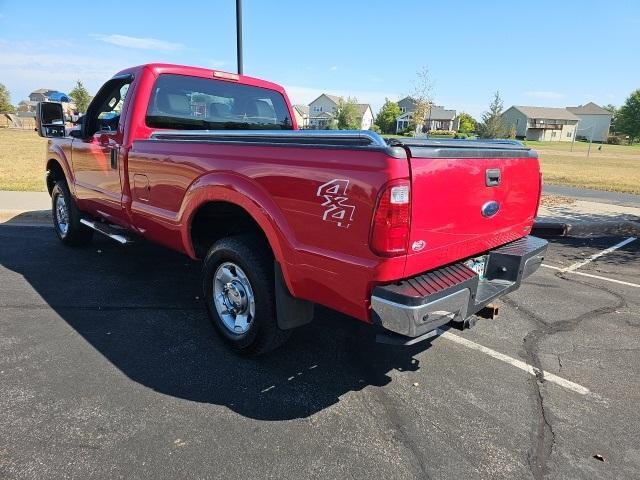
[550,228]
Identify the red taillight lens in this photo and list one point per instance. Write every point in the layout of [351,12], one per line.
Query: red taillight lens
[391,220]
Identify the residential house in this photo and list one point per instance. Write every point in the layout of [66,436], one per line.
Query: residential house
[595,121]
[541,123]
[407,104]
[365,113]
[27,108]
[437,117]
[322,112]
[41,95]
[301,113]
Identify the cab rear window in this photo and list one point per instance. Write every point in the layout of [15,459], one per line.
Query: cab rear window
[189,103]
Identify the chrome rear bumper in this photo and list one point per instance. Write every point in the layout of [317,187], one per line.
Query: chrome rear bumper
[418,305]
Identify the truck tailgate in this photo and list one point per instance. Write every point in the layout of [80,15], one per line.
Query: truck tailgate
[468,197]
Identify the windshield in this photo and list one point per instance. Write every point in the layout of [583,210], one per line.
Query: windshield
[182,102]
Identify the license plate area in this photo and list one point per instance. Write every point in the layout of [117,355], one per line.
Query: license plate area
[478,265]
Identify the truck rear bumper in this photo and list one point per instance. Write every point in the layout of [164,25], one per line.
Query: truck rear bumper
[418,305]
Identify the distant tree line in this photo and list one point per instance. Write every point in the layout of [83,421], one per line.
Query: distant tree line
[5,101]
[626,119]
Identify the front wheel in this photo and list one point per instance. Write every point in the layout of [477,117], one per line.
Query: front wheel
[66,217]
[238,283]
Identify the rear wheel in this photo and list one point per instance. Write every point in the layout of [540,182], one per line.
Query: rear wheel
[238,283]
[66,217]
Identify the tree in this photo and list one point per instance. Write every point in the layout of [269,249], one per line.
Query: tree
[467,123]
[628,121]
[347,114]
[492,125]
[80,97]
[614,117]
[386,118]
[331,125]
[422,96]
[5,101]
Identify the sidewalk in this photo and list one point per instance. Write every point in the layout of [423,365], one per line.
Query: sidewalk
[566,216]
[25,208]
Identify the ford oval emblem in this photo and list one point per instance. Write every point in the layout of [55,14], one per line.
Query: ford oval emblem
[418,245]
[489,209]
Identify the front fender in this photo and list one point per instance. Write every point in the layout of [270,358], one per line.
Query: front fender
[247,194]
[57,151]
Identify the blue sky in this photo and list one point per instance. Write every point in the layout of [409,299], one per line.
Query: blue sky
[546,53]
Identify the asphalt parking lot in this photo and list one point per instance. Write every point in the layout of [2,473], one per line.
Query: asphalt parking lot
[109,369]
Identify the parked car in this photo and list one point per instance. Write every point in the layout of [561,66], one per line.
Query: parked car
[406,236]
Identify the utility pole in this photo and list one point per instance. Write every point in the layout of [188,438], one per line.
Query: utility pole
[239,34]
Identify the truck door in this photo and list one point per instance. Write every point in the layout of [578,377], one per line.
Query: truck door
[97,156]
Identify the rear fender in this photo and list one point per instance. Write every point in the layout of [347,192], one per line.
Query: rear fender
[243,192]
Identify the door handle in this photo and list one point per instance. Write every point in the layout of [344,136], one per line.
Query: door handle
[114,158]
[492,177]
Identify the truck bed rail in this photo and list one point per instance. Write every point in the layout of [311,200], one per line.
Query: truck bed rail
[343,138]
[463,148]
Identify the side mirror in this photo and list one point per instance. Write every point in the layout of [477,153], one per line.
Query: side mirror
[50,119]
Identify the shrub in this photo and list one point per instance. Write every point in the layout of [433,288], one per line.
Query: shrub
[614,140]
[375,128]
[461,135]
[442,133]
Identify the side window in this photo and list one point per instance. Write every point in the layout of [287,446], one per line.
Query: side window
[109,113]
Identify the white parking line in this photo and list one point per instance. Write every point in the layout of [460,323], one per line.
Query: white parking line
[628,284]
[577,265]
[550,377]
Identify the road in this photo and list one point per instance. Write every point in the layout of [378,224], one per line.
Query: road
[110,369]
[614,198]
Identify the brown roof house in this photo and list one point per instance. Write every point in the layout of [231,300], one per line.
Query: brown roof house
[543,124]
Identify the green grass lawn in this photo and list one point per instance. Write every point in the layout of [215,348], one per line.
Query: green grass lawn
[22,155]
[584,147]
[611,167]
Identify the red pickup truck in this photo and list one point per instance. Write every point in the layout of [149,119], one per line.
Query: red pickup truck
[404,234]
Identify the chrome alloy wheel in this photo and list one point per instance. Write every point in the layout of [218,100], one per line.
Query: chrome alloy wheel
[62,215]
[233,298]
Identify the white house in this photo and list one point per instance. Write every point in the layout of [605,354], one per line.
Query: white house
[541,123]
[301,113]
[366,116]
[322,111]
[595,121]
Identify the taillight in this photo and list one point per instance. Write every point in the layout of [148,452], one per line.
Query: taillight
[391,220]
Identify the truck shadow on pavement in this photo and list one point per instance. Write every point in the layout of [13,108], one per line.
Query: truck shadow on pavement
[140,308]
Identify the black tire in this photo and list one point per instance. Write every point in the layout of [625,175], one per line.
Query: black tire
[256,263]
[75,233]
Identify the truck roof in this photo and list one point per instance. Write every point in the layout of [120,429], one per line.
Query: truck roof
[161,68]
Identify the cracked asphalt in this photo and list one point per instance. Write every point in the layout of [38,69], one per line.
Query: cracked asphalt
[110,369]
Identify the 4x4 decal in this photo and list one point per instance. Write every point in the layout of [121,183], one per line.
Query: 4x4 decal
[335,196]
